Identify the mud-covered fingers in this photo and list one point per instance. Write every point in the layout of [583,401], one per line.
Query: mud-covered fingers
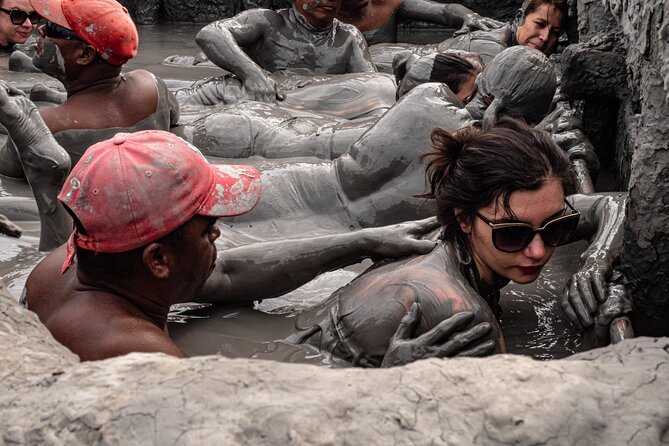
[425,225]
[7,227]
[459,341]
[568,309]
[600,286]
[587,294]
[484,348]
[407,324]
[444,329]
[576,301]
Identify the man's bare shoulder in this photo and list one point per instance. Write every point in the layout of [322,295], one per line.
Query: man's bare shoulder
[257,16]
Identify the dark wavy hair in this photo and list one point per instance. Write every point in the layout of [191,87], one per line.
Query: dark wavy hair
[454,70]
[530,6]
[472,168]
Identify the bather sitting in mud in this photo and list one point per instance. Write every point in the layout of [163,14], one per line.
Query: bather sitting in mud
[305,37]
[500,196]
[139,247]
[538,24]
[274,131]
[101,100]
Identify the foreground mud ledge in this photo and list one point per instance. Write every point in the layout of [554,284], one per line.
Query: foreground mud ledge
[606,396]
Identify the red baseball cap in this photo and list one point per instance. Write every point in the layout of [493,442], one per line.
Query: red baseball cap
[135,188]
[104,24]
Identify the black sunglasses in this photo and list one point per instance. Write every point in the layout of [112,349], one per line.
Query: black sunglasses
[58,32]
[515,236]
[17,16]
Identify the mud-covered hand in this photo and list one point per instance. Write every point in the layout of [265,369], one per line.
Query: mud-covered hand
[447,339]
[262,88]
[19,116]
[475,22]
[617,304]
[400,239]
[585,290]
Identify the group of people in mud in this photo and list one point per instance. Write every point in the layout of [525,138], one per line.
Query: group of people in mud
[132,210]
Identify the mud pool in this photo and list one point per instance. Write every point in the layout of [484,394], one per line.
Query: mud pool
[532,321]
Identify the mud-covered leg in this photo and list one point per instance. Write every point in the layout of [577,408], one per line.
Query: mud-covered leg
[45,163]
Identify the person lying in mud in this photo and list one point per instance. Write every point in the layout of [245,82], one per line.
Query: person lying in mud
[18,20]
[88,61]
[274,131]
[538,24]
[375,182]
[378,19]
[304,37]
[501,199]
[139,247]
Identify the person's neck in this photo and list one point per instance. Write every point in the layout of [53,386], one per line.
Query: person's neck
[149,299]
[91,84]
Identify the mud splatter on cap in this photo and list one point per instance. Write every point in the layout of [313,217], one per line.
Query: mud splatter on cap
[104,24]
[135,188]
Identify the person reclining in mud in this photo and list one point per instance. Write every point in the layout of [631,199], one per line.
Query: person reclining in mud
[538,24]
[375,181]
[304,37]
[100,99]
[139,247]
[377,19]
[279,131]
[501,197]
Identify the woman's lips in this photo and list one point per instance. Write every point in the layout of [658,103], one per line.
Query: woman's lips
[530,270]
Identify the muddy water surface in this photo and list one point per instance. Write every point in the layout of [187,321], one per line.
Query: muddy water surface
[532,321]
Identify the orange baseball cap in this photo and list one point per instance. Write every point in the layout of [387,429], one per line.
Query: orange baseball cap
[136,188]
[104,24]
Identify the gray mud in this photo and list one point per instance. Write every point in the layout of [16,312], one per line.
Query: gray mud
[532,321]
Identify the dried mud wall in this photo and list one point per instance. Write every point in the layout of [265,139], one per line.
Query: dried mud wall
[617,395]
[621,70]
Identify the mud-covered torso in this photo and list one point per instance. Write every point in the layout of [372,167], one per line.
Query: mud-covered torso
[297,45]
[77,141]
[357,321]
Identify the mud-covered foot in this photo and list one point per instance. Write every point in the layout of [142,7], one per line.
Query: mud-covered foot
[185,60]
[9,228]
[42,93]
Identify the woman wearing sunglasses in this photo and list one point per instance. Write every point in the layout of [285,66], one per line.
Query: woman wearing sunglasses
[501,196]
[17,22]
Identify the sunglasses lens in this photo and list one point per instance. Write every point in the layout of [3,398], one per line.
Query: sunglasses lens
[557,233]
[512,238]
[18,17]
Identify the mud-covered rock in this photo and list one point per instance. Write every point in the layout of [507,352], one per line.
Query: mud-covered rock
[608,396]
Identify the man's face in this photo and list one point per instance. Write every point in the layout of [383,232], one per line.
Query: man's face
[198,256]
[541,29]
[318,13]
[11,33]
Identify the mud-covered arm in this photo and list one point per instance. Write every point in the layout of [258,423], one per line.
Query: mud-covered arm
[222,43]
[269,269]
[602,220]
[450,14]
[45,163]
[360,60]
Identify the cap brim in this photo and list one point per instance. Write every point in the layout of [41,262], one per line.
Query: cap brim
[236,191]
[51,10]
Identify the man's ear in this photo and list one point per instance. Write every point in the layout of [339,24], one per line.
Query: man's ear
[465,226]
[86,55]
[158,259]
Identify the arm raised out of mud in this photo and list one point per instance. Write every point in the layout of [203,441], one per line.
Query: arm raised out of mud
[449,14]
[45,163]
[602,219]
[269,269]
[222,43]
